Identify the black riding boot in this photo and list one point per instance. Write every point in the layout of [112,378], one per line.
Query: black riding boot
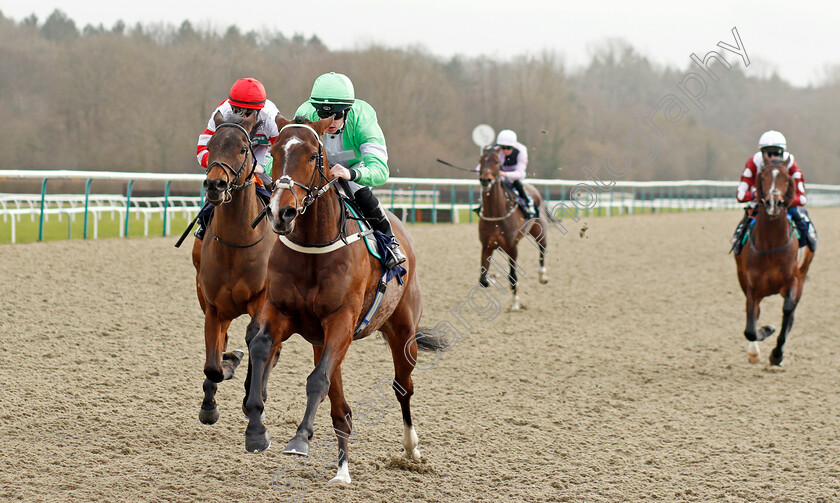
[738,238]
[531,210]
[204,217]
[373,211]
[807,231]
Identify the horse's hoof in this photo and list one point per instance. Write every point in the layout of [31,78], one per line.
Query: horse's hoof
[257,443]
[765,332]
[297,446]
[775,360]
[208,416]
[415,454]
[342,477]
[339,481]
[752,352]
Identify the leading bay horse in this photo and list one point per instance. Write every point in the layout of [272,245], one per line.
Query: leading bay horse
[321,288]
[231,261]
[503,222]
[772,261]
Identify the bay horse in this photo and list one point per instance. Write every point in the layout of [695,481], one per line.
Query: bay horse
[772,262]
[231,261]
[502,222]
[321,288]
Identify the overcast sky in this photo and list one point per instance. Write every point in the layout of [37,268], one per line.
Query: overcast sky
[796,39]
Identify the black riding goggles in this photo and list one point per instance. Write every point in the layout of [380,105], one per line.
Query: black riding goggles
[774,152]
[243,112]
[338,114]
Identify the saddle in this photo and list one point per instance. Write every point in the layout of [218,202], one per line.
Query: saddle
[522,202]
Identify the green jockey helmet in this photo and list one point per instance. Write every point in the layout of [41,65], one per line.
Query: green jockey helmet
[332,93]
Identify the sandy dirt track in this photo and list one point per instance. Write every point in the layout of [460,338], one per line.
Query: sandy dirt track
[625,379]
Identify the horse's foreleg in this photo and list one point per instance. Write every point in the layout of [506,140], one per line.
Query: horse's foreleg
[274,329]
[338,330]
[749,331]
[791,300]
[213,330]
[486,252]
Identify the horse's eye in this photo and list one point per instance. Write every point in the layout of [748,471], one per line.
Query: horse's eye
[243,150]
[313,157]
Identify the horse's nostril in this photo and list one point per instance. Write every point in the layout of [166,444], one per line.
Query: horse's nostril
[288,214]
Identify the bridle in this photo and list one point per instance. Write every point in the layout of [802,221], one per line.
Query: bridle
[228,170]
[768,198]
[487,190]
[313,191]
[764,201]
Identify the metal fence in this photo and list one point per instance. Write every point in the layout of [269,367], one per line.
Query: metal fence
[412,199]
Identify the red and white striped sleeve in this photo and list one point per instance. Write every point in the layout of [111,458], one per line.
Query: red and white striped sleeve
[746,188]
[799,180]
[201,152]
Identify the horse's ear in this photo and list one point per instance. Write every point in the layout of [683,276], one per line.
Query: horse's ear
[281,121]
[218,119]
[249,122]
[322,125]
[759,193]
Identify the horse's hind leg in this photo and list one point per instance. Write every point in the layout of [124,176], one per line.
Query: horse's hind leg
[512,277]
[404,346]
[791,300]
[538,232]
[341,419]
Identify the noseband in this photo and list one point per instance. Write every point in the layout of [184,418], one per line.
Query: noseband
[313,192]
[228,170]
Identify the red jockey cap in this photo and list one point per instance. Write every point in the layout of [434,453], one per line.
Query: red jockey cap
[247,93]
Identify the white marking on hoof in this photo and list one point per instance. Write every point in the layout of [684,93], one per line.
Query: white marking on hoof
[515,306]
[410,442]
[342,476]
[543,275]
[752,352]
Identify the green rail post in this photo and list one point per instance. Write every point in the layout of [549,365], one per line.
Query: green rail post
[469,210]
[165,204]
[546,197]
[128,204]
[201,194]
[452,202]
[87,196]
[41,223]
[434,203]
[413,200]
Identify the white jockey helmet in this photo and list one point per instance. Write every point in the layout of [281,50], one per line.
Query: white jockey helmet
[772,138]
[506,138]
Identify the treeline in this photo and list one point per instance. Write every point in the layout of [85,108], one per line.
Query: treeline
[135,99]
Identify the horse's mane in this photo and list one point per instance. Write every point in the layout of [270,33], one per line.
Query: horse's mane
[232,118]
[299,119]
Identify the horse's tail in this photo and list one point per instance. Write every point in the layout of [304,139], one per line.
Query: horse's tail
[428,340]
